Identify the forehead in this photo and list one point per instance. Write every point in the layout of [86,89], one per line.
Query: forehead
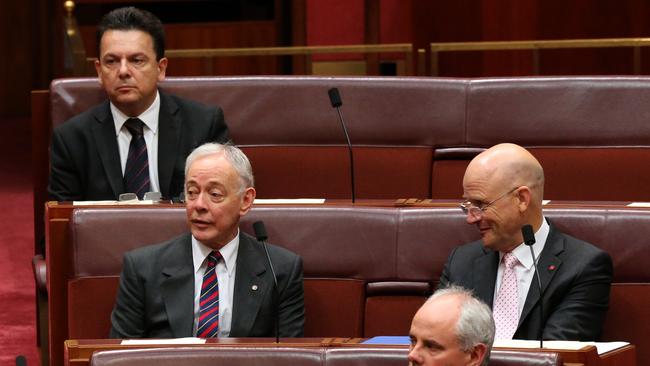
[213,166]
[132,41]
[437,320]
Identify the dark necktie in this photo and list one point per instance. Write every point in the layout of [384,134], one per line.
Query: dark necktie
[208,326]
[136,173]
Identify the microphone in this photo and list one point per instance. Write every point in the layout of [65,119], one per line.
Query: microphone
[260,234]
[335,99]
[529,240]
[21,361]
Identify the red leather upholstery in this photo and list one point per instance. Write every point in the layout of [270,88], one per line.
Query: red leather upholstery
[413,137]
[281,356]
[370,266]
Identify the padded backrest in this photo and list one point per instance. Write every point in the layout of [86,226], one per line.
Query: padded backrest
[261,355]
[588,132]
[201,356]
[383,261]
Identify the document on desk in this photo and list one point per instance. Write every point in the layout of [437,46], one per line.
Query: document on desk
[110,203]
[601,347]
[153,342]
[289,201]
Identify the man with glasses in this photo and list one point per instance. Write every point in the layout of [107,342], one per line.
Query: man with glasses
[503,190]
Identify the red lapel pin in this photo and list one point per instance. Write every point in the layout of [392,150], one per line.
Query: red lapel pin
[551,267]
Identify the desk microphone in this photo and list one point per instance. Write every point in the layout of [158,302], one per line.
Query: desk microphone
[529,240]
[21,361]
[260,234]
[335,99]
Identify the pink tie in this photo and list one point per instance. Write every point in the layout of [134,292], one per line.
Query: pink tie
[506,306]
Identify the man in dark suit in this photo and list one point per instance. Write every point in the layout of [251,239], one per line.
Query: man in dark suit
[503,190]
[90,152]
[165,288]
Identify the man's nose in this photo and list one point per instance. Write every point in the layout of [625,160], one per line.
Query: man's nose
[124,68]
[472,219]
[414,356]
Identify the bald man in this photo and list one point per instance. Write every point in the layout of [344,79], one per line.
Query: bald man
[503,189]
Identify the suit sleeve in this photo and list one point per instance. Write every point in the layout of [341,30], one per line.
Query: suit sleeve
[292,302]
[445,280]
[127,319]
[581,312]
[219,129]
[65,183]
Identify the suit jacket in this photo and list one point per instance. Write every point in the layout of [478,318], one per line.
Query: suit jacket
[156,294]
[85,158]
[575,275]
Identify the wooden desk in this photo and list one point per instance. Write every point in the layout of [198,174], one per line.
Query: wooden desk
[79,352]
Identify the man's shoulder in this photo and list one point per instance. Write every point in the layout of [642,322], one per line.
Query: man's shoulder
[80,121]
[472,248]
[157,250]
[275,251]
[577,247]
[187,105]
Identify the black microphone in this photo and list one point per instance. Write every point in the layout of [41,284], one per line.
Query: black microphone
[335,99]
[260,234]
[21,361]
[529,239]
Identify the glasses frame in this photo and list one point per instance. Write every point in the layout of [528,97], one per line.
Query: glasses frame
[469,208]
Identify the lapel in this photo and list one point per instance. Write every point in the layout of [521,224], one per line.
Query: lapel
[177,286]
[484,274]
[169,129]
[549,258]
[250,287]
[103,130]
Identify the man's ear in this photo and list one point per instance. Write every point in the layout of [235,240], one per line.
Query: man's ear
[98,69]
[162,68]
[247,200]
[477,355]
[524,195]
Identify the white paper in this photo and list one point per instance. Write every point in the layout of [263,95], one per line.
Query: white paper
[289,201]
[153,342]
[109,203]
[601,347]
[639,204]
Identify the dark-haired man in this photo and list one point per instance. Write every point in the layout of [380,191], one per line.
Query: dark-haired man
[138,139]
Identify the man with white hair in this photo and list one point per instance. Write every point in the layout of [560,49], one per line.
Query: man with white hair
[214,281]
[452,328]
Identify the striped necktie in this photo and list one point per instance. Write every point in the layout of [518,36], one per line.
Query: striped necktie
[136,173]
[208,326]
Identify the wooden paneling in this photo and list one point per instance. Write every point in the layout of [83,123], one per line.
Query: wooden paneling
[505,20]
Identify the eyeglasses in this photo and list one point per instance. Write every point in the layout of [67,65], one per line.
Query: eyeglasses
[477,211]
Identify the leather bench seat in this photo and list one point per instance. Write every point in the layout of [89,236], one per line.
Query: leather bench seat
[280,356]
[371,266]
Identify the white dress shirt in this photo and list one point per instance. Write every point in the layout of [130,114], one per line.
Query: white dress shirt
[150,131]
[524,269]
[226,277]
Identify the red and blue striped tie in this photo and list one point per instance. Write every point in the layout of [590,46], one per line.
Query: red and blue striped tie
[209,303]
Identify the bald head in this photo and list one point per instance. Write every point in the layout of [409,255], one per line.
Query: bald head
[507,183]
[509,165]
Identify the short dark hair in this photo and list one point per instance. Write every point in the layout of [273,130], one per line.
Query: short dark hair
[131,18]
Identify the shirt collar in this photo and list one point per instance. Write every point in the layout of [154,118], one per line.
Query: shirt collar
[523,253]
[148,117]
[201,251]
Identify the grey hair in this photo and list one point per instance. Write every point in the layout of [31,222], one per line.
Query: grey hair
[475,324]
[233,155]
